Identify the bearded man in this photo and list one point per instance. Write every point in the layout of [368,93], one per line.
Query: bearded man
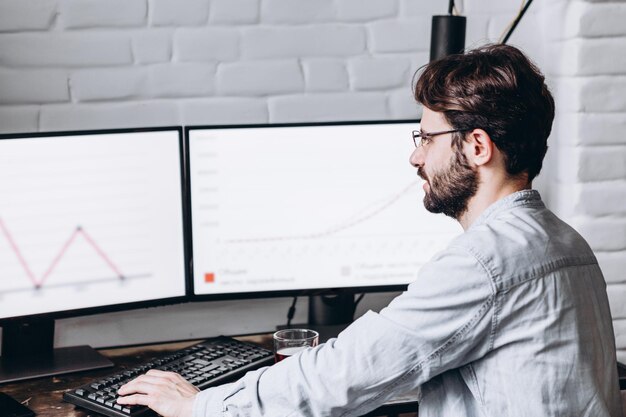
[511,319]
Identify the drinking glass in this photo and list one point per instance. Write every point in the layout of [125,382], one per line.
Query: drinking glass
[288,342]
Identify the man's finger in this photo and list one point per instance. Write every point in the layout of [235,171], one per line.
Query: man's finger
[170,376]
[143,385]
[135,399]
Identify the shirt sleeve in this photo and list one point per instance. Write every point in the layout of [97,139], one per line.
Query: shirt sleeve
[444,320]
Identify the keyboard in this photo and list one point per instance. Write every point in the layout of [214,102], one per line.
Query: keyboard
[209,363]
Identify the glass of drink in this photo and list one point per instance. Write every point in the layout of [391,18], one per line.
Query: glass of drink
[288,342]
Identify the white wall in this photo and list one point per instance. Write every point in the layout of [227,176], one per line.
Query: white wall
[586,41]
[91,64]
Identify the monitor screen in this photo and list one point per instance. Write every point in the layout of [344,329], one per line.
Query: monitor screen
[308,207]
[90,219]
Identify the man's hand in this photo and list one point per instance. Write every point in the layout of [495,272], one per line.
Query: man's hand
[167,393]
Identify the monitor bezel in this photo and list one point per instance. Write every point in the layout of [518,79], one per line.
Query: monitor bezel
[60,314]
[276,293]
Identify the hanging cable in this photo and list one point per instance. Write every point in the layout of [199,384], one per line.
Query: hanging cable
[525,6]
[357,301]
[450,7]
[292,311]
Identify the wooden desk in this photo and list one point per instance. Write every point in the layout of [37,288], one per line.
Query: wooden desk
[44,395]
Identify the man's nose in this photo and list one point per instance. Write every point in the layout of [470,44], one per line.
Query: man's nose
[417,157]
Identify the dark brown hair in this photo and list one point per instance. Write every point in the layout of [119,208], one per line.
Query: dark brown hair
[498,89]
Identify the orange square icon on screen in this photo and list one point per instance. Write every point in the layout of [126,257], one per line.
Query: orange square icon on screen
[209,277]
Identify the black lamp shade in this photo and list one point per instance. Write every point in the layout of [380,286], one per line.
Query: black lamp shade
[447,36]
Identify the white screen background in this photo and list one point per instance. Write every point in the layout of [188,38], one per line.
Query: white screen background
[88,221]
[308,207]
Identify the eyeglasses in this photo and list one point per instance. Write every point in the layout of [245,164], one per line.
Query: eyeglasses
[424,138]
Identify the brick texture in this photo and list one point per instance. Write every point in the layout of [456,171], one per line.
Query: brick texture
[260,78]
[174,13]
[400,35]
[103,13]
[152,46]
[613,266]
[402,105]
[183,80]
[296,11]
[15,119]
[325,75]
[219,111]
[328,107]
[602,164]
[603,199]
[233,12]
[206,45]
[603,234]
[19,15]
[603,19]
[617,293]
[61,49]
[108,116]
[303,41]
[109,84]
[360,11]
[33,86]
[379,73]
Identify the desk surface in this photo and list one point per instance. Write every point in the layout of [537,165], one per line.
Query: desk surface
[44,395]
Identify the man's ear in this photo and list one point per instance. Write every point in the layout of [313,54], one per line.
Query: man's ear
[479,147]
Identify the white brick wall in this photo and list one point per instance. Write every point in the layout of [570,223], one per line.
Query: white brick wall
[323,40]
[65,49]
[588,70]
[91,64]
[363,11]
[33,86]
[64,56]
[211,45]
[234,11]
[296,11]
[324,74]
[18,15]
[76,14]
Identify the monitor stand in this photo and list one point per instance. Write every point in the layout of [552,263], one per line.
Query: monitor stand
[331,309]
[27,352]
[328,314]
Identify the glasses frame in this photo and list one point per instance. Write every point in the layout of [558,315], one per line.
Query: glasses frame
[424,138]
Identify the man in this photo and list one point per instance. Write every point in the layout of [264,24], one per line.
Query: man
[512,319]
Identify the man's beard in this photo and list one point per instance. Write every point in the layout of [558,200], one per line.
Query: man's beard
[451,188]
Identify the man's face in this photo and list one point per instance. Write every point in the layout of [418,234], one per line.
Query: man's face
[450,180]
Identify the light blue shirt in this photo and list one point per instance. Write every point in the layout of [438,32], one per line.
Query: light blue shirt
[512,319]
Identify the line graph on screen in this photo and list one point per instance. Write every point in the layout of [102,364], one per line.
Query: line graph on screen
[38,281]
[375,209]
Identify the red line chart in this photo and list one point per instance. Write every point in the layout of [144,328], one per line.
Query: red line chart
[38,282]
[351,222]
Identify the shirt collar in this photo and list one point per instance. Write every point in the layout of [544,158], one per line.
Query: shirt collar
[528,198]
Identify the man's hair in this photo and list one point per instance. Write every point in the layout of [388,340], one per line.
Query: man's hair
[498,89]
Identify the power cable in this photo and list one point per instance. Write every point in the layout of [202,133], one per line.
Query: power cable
[292,311]
[516,21]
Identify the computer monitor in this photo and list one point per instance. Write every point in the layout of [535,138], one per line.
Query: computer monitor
[307,208]
[89,222]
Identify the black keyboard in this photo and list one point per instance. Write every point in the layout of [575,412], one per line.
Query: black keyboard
[209,363]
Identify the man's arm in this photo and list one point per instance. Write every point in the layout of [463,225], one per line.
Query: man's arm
[442,321]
